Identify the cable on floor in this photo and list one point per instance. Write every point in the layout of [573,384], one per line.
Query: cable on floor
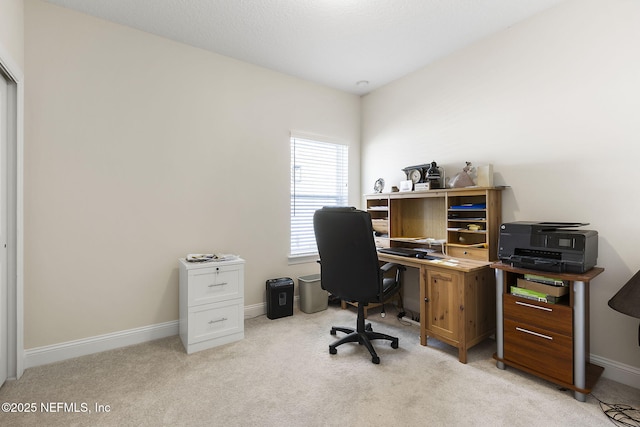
[407,314]
[620,414]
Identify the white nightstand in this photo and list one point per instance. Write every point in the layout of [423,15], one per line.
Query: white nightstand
[211,303]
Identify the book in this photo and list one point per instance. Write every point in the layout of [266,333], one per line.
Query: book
[470,206]
[546,280]
[538,296]
[529,294]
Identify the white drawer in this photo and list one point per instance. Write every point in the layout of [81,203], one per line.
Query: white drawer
[213,285]
[215,320]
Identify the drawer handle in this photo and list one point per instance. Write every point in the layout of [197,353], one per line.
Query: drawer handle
[526,331]
[533,306]
[211,322]
[217,284]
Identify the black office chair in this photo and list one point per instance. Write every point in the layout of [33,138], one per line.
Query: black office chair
[350,270]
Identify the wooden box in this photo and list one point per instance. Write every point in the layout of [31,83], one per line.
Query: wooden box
[556,291]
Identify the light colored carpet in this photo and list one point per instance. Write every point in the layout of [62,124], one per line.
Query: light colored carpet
[282,374]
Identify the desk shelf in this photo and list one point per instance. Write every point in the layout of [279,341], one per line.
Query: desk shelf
[378,208]
[441,214]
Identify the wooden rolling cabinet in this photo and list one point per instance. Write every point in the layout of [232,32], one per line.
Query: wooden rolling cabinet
[539,336]
[378,208]
[458,306]
[473,221]
[211,303]
[550,341]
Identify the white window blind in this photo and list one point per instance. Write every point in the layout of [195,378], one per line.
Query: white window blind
[319,174]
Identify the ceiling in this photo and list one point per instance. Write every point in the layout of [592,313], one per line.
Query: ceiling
[337,43]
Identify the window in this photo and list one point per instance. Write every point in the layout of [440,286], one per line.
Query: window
[319,174]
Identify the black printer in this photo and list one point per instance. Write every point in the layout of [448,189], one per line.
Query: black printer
[548,246]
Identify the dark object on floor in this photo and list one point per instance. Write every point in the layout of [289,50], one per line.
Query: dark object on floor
[279,297]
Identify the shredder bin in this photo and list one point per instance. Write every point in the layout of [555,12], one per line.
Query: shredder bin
[312,297]
[279,297]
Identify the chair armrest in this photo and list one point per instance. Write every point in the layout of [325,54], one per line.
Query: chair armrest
[388,266]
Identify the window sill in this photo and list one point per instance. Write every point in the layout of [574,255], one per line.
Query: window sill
[303,259]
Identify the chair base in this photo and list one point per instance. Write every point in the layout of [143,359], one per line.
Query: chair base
[363,335]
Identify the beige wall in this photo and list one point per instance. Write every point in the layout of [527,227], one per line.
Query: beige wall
[139,150]
[553,104]
[12,30]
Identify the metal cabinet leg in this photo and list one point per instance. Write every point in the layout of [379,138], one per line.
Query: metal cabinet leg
[499,317]
[579,338]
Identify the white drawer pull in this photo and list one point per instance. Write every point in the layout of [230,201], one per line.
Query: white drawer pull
[526,331]
[211,322]
[533,306]
[217,284]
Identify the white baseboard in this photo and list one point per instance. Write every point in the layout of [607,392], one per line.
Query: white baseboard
[67,350]
[70,349]
[619,372]
[255,310]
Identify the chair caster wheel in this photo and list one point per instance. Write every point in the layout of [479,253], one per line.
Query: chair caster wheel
[375,360]
[368,327]
[333,331]
[383,314]
[394,343]
[333,350]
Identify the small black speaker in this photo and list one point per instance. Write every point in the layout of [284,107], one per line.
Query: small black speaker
[279,297]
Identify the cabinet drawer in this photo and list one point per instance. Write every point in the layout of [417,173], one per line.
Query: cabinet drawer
[480,254]
[538,349]
[213,284]
[215,320]
[553,317]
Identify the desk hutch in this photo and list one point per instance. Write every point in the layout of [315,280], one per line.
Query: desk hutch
[457,294]
[465,220]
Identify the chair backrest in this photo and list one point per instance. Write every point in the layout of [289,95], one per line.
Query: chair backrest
[349,267]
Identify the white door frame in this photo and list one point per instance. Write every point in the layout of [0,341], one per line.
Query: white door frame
[15,218]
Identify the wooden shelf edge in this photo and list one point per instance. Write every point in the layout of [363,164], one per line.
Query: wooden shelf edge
[583,277]
[593,373]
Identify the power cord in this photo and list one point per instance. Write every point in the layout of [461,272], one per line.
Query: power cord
[620,414]
[408,314]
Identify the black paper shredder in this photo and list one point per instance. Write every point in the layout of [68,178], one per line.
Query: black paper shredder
[279,297]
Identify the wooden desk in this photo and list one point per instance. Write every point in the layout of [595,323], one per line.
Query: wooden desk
[550,341]
[457,300]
